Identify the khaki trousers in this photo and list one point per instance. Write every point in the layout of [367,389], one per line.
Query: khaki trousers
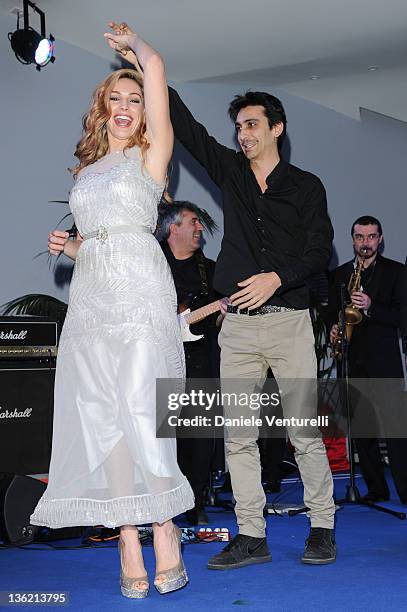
[283,341]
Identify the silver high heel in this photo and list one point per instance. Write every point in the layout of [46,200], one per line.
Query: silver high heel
[175,577]
[128,585]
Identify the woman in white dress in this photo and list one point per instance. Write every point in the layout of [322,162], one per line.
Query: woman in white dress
[121,331]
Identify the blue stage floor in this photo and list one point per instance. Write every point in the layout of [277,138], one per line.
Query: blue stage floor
[370,572]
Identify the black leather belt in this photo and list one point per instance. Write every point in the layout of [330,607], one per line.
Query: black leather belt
[258,311]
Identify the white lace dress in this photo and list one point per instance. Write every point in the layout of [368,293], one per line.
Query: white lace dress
[120,334]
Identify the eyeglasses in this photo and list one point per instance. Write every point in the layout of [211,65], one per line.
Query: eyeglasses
[369,237]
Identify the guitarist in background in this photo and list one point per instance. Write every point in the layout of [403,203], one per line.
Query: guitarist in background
[180,227]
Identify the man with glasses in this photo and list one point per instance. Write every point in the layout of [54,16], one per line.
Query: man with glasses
[374,350]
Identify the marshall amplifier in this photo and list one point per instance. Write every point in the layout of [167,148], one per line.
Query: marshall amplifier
[29,338]
[28,346]
[26,412]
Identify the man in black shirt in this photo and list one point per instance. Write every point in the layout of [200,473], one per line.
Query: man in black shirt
[180,229]
[277,234]
[374,350]
[403,322]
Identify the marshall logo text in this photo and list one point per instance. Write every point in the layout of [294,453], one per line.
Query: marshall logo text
[10,335]
[15,414]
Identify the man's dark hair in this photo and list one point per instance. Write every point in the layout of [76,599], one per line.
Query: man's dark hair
[169,213]
[367,220]
[273,109]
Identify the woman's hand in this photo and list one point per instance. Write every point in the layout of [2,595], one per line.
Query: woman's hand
[57,241]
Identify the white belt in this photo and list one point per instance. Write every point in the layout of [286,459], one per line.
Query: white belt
[103,233]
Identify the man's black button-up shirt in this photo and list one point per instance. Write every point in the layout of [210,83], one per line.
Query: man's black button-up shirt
[285,230]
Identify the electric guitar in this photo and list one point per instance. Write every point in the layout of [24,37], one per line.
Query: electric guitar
[188,317]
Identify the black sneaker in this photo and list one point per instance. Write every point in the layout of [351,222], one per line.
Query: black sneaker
[242,550]
[320,547]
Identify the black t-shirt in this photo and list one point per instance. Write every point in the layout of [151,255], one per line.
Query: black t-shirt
[189,285]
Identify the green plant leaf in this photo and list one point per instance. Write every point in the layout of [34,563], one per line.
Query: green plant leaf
[36,304]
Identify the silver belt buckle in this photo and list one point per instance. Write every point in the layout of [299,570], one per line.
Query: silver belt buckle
[102,234]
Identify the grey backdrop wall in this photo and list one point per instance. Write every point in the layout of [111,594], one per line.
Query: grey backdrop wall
[40,119]
[361,163]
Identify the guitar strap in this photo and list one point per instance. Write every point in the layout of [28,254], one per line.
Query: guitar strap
[199,256]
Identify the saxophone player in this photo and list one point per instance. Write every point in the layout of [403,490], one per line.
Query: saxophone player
[374,347]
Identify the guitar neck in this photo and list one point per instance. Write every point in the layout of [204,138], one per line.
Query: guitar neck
[201,313]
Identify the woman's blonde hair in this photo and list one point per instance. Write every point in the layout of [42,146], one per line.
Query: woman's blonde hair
[94,143]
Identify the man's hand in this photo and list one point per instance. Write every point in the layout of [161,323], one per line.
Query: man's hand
[120,43]
[333,333]
[57,241]
[256,290]
[223,310]
[361,300]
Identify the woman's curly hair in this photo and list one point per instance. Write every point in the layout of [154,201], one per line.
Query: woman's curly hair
[94,143]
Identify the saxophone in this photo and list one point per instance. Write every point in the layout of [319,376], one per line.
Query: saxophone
[353,316]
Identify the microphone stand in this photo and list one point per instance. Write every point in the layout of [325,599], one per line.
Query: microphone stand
[212,496]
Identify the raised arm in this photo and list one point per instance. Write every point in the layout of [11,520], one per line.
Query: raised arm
[217,159]
[159,128]
[214,157]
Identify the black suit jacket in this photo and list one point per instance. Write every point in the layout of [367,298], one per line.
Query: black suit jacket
[403,311]
[374,350]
